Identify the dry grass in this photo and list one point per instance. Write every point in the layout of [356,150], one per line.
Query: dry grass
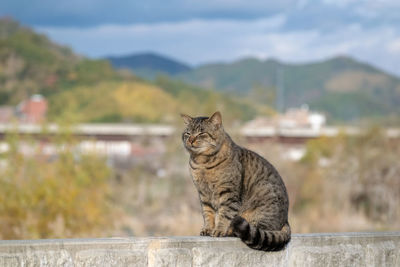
[322,199]
[356,189]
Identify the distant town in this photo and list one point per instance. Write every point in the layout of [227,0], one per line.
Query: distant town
[291,129]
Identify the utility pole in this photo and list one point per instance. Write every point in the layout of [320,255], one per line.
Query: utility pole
[280,87]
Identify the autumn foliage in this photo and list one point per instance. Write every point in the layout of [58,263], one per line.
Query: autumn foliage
[62,196]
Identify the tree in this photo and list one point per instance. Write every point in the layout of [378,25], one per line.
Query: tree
[52,197]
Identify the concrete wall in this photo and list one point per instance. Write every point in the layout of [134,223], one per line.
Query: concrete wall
[343,249]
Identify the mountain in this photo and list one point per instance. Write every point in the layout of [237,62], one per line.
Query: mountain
[82,89]
[79,89]
[148,65]
[30,63]
[343,88]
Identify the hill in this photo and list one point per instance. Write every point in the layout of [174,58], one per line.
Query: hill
[149,65]
[342,87]
[85,90]
[30,63]
[139,101]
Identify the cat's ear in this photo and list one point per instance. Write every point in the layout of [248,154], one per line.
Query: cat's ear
[186,118]
[216,119]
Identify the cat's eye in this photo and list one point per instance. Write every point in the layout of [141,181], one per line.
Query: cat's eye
[186,134]
[203,135]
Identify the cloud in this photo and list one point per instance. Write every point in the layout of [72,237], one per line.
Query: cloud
[221,30]
[303,13]
[200,41]
[89,13]
[394,46]
[194,41]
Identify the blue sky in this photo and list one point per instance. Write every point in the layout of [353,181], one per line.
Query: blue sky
[221,30]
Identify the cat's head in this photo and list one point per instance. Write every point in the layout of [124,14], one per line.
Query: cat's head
[203,135]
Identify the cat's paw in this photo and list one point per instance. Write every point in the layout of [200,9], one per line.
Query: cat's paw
[222,233]
[205,232]
[229,232]
[216,233]
[219,233]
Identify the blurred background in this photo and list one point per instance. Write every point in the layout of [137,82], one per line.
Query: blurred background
[91,91]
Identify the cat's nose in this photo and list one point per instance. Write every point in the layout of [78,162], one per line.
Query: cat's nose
[191,139]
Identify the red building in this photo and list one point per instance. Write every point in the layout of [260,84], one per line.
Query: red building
[32,110]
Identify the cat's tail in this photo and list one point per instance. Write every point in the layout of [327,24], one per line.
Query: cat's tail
[258,238]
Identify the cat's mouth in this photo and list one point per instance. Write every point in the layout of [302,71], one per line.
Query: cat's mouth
[197,149]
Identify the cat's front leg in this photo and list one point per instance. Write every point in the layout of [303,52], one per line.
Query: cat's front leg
[209,218]
[229,203]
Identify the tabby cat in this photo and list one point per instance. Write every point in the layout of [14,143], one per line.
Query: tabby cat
[241,193]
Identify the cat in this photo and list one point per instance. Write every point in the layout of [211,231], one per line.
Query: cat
[241,193]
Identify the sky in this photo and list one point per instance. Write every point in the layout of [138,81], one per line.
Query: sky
[198,32]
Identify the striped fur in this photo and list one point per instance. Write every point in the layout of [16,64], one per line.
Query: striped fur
[258,238]
[240,192]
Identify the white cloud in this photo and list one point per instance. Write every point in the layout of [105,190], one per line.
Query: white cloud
[193,41]
[340,3]
[200,41]
[394,46]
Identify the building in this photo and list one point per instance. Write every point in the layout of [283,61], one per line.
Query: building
[294,118]
[301,118]
[32,110]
